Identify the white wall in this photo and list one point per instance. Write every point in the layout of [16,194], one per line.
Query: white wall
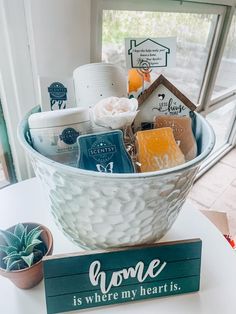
[39,37]
[59,32]
[59,36]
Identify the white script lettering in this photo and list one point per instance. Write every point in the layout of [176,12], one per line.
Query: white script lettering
[98,277]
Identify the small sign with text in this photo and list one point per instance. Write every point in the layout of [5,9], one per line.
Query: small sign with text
[145,53]
[93,279]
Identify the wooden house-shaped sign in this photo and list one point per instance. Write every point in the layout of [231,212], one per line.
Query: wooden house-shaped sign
[162,98]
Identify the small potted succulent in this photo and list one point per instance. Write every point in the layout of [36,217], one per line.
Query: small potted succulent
[22,248]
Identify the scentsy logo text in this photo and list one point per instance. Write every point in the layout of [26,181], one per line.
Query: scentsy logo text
[102,150]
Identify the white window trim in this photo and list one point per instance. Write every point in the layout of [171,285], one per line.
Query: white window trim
[215,60]
[222,98]
[221,2]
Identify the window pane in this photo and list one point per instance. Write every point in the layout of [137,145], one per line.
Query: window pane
[226,76]
[194,36]
[221,121]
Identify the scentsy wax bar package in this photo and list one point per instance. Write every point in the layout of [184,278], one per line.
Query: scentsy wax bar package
[104,152]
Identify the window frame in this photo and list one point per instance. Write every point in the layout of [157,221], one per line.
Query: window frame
[216,48]
[207,103]
[225,11]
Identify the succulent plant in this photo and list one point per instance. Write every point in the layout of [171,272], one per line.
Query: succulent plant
[23,248]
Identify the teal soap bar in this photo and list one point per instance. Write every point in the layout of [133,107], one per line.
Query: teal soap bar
[104,152]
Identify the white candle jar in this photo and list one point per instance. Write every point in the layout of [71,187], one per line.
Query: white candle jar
[54,133]
[95,81]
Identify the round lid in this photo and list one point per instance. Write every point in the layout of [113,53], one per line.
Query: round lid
[55,118]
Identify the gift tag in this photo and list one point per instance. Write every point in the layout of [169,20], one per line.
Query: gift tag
[56,93]
[104,152]
[145,58]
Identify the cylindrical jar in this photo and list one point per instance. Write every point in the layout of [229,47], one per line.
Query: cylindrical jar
[96,81]
[54,133]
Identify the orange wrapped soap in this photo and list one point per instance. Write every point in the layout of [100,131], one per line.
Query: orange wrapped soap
[183,134]
[157,150]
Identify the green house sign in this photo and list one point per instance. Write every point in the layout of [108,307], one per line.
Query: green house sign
[92,279]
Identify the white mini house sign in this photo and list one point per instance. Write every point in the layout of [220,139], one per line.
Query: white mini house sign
[162,98]
[145,53]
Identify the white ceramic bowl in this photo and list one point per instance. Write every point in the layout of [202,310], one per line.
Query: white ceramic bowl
[99,210]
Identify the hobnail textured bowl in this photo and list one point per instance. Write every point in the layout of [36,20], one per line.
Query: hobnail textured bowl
[100,210]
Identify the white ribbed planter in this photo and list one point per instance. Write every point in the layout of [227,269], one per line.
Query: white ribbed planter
[99,210]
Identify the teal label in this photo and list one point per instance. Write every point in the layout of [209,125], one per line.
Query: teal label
[104,152]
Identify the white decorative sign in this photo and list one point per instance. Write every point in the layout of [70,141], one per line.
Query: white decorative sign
[145,53]
[162,98]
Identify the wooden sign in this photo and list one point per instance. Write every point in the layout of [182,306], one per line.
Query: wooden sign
[162,98]
[92,279]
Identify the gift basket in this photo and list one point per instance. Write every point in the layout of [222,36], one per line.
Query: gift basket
[119,174]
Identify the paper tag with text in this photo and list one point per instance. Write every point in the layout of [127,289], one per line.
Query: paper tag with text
[56,93]
[145,53]
[97,278]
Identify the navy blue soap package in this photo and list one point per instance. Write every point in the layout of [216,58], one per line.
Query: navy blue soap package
[104,152]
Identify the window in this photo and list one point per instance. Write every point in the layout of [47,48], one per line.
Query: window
[223,99]
[202,51]
[193,44]
[196,25]
[222,120]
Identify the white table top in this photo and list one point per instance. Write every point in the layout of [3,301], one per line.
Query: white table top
[25,202]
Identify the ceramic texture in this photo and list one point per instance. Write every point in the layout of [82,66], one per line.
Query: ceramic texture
[100,210]
[96,81]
